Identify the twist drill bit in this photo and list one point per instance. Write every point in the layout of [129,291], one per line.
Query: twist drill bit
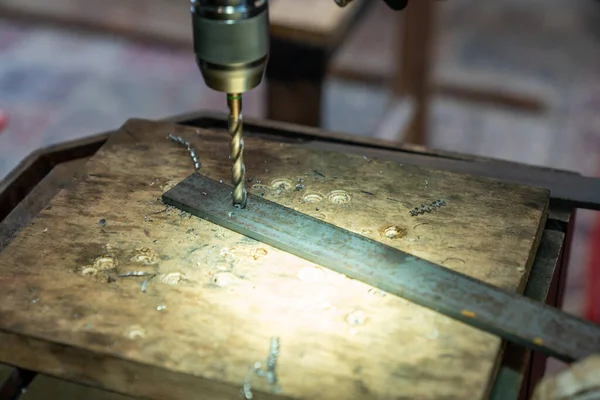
[236,145]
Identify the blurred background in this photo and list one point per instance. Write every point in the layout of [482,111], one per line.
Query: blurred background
[511,79]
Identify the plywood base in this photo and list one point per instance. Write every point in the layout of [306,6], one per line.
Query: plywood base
[217,297]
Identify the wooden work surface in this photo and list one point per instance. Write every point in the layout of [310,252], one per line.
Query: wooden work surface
[65,312]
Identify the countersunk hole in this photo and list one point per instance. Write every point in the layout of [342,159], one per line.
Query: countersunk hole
[258,253]
[313,198]
[136,332]
[320,215]
[173,278]
[281,183]
[104,263]
[356,318]
[222,279]
[145,256]
[392,232]
[376,292]
[89,271]
[339,197]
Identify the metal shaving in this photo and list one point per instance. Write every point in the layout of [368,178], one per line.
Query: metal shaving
[272,361]
[146,282]
[247,388]
[427,208]
[134,273]
[256,369]
[188,146]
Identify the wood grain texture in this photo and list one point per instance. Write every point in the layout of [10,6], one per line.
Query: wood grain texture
[226,296]
[58,178]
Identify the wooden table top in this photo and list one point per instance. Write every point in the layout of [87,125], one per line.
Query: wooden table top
[217,298]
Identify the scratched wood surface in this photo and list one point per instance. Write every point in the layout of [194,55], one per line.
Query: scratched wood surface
[217,297]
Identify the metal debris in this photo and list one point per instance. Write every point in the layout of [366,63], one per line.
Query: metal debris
[144,284]
[189,148]
[269,373]
[134,273]
[161,307]
[247,387]
[427,208]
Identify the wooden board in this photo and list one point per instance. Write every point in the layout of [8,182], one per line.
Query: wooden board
[226,295]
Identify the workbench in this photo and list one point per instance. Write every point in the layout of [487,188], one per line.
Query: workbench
[76,218]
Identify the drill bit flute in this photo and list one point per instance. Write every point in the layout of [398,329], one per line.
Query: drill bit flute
[231,42]
[236,145]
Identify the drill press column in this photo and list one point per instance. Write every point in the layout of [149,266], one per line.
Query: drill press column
[231,42]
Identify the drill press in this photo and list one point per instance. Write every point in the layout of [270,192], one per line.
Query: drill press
[231,42]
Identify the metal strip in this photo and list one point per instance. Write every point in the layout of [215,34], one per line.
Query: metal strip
[566,187]
[510,316]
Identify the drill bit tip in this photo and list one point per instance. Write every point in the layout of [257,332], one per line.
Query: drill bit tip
[236,145]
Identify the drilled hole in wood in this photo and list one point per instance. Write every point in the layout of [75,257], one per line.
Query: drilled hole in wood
[89,271]
[258,253]
[356,318]
[105,263]
[392,232]
[145,256]
[313,198]
[281,183]
[339,197]
[320,215]
[173,278]
[222,279]
[136,332]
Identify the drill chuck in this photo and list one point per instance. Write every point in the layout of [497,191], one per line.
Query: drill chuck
[231,42]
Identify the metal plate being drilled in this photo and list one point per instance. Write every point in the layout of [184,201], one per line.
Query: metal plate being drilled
[510,316]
